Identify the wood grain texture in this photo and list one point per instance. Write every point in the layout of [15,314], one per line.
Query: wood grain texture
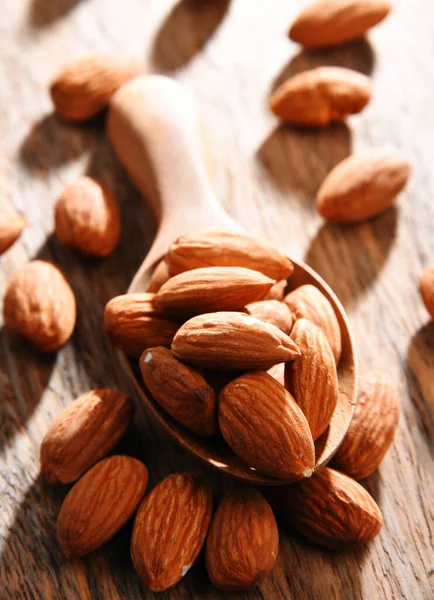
[230,54]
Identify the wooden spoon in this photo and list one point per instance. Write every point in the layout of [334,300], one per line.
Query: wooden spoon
[153,128]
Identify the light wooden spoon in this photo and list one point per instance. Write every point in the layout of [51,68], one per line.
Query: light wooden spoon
[152,126]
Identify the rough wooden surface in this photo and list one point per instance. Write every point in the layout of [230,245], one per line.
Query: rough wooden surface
[230,54]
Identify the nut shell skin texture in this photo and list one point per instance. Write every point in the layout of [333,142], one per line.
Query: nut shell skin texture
[362,186]
[274,312]
[232,341]
[100,503]
[332,22]
[312,379]
[180,390]
[319,96]
[170,530]
[133,322]
[307,302]
[83,88]
[11,227]
[40,306]
[264,426]
[87,218]
[222,249]
[243,541]
[330,509]
[84,432]
[426,287]
[372,429]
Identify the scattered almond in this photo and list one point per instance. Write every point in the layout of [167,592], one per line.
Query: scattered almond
[159,277]
[274,312]
[427,289]
[362,186]
[243,541]
[11,227]
[319,96]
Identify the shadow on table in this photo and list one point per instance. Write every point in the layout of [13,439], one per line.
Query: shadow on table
[358,56]
[185,31]
[42,12]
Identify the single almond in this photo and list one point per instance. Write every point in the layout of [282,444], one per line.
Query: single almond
[312,379]
[83,88]
[232,341]
[87,218]
[330,509]
[372,428]
[11,227]
[277,291]
[426,287]
[319,96]
[243,541]
[274,312]
[278,372]
[265,427]
[84,432]
[100,503]
[170,530]
[307,302]
[333,22]
[222,249]
[158,277]
[212,289]
[180,390]
[362,186]
[133,322]
[40,306]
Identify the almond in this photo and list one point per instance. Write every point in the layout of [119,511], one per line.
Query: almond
[83,88]
[133,322]
[277,292]
[372,429]
[362,186]
[100,503]
[307,302]
[319,96]
[264,426]
[159,277]
[221,249]
[332,22]
[330,509]
[170,530]
[278,372]
[40,306]
[180,390]
[231,341]
[87,218]
[312,379]
[83,433]
[11,227]
[212,289]
[274,312]
[427,289]
[243,541]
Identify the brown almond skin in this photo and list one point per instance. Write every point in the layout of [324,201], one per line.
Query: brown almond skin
[180,390]
[212,289]
[158,277]
[426,286]
[133,322]
[232,341]
[223,249]
[333,22]
[372,429]
[243,541]
[330,509]
[264,426]
[277,292]
[84,432]
[100,503]
[319,96]
[312,379]
[83,88]
[40,306]
[307,302]
[11,227]
[170,530]
[87,218]
[362,186]
[274,312]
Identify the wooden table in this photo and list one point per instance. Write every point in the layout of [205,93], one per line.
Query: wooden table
[230,54]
